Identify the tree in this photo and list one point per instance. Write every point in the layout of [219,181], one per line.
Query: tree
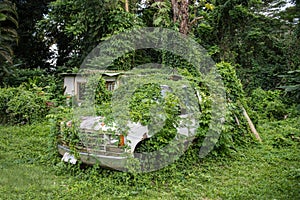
[181,15]
[30,45]
[8,34]
[241,32]
[76,27]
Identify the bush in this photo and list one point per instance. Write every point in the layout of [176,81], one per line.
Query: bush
[267,104]
[52,84]
[6,94]
[282,133]
[24,104]
[19,76]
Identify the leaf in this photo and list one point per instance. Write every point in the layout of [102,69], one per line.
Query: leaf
[157,21]
[209,6]
[2,17]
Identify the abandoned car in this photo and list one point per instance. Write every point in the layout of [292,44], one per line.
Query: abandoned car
[99,142]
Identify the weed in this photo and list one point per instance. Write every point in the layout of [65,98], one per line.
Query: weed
[257,171]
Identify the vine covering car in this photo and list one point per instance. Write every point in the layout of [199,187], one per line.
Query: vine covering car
[160,116]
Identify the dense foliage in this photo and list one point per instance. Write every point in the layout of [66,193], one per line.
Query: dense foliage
[31,51]
[23,105]
[76,27]
[257,50]
[259,37]
[262,46]
[8,35]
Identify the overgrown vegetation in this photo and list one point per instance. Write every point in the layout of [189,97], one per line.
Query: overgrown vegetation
[22,105]
[234,132]
[256,47]
[31,101]
[259,171]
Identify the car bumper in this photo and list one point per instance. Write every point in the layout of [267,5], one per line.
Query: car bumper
[113,162]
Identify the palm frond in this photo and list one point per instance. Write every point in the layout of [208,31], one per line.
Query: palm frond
[8,33]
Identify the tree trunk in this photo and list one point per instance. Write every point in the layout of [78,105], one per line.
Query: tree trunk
[184,15]
[175,10]
[180,10]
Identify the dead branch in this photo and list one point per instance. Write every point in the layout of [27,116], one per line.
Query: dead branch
[194,21]
[251,125]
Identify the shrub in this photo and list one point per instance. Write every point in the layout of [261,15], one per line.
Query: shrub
[267,104]
[282,133]
[24,104]
[6,94]
[19,76]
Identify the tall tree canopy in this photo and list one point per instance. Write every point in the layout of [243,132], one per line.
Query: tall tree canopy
[259,44]
[260,37]
[31,51]
[76,27]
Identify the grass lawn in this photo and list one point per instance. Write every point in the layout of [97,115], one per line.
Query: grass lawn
[258,171]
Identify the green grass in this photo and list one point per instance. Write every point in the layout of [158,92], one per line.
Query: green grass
[258,171]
